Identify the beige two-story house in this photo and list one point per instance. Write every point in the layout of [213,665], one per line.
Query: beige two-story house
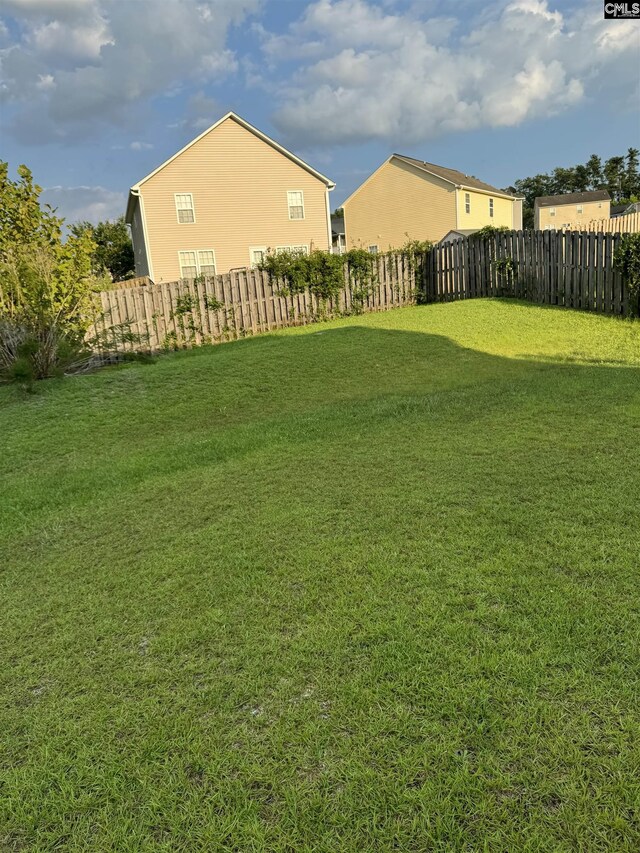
[223,201]
[560,211]
[411,199]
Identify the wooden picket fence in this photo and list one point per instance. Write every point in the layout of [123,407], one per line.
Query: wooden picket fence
[629,223]
[571,269]
[185,313]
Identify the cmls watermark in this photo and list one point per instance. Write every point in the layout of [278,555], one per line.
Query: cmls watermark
[621,10]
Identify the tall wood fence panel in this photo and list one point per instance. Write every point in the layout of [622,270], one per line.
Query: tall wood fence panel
[572,269]
[629,223]
[178,314]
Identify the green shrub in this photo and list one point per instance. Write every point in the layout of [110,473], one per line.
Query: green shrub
[626,259]
[47,289]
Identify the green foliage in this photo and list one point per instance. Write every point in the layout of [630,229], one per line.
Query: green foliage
[46,285]
[211,303]
[321,272]
[490,231]
[504,266]
[184,305]
[619,175]
[326,274]
[626,259]
[113,251]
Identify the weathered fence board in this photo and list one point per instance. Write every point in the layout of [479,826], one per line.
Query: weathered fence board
[568,268]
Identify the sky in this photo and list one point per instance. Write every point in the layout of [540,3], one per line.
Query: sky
[95,94]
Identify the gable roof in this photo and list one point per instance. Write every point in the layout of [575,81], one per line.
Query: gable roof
[453,176]
[135,189]
[571,198]
[458,233]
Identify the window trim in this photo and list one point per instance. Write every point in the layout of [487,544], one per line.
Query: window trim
[193,209]
[303,246]
[491,208]
[253,249]
[579,208]
[289,205]
[552,211]
[196,252]
[467,203]
[374,249]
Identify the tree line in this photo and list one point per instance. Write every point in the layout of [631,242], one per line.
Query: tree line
[619,175]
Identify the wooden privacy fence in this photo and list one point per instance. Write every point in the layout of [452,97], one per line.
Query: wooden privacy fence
[629,223]
[243,302]
[573,269]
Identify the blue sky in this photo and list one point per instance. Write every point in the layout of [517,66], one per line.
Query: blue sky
[94,94]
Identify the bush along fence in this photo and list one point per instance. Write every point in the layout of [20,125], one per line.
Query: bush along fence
[582,270]
[213,309]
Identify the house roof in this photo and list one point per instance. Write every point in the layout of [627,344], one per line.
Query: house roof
[453,176]
[571,198]
[456,233]
[135,189]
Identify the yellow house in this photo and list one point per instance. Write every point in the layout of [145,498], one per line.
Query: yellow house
[424,201]
[559,211]
[222,201]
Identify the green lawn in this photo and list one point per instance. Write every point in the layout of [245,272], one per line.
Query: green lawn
[368,585]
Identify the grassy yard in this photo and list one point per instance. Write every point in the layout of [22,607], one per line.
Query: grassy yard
[364,586]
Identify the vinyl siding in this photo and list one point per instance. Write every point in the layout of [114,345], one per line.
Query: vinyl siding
[568,214]
[239,185]
[397,200]
[137,238]
[503,211]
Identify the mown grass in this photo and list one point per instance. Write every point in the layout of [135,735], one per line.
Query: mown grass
[367,585]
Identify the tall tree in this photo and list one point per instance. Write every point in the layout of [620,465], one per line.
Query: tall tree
[614,177]
[594,170]
[631,179]
[114,251]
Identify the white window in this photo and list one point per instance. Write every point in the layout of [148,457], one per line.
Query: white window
[303,250]
[373,250]
[188,264]
[206,262]
[467,203]
[184,208]
[257,255]
[552,211]
[579,208]
[295,200]
[199,262]
[491,207]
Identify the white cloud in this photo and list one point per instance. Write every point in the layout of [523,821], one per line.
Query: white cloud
[108,58]
[370,72]
[79,203]
[140,146]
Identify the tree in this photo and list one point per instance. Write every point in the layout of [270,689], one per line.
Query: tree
[46,287]
[114,250]
[631,178]
[620,176]
[614,177]
[594,170]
